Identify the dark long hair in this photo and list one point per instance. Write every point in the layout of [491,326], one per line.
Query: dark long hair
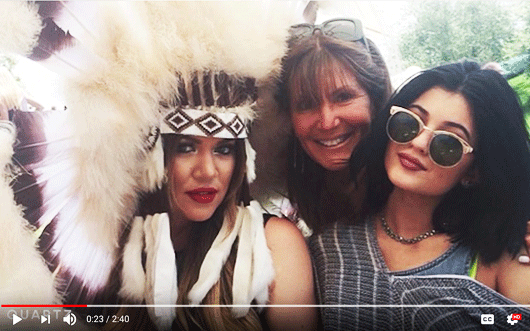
[307,62]
[490,217]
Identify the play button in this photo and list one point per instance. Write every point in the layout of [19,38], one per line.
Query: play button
[16,319]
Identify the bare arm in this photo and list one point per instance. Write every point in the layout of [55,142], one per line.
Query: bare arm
[293,281]
[512,279]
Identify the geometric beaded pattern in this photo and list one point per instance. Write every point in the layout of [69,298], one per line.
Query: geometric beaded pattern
[195,122]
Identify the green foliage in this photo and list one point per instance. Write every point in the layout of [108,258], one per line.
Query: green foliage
[521,85]
[484,31]
[521,42]
[450,31]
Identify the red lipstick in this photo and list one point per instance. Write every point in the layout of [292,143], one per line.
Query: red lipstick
[409,162]
[202,194]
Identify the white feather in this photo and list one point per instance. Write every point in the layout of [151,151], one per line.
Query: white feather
[263,269]
[251,158]
[20,27]
[153,175]
[150,261]
[163,275]
[24,276]
[214,260]
[241,283]
[133,275]
[11,93]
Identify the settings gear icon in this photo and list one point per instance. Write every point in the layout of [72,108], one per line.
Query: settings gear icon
[510,320]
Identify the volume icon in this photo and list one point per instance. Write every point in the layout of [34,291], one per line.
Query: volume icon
[70,319]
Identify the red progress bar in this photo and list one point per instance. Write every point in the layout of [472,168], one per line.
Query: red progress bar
[45,306]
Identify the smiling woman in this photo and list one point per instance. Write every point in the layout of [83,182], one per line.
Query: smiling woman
[330,127]
[333,83]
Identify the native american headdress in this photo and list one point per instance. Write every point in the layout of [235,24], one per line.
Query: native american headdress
[194,67]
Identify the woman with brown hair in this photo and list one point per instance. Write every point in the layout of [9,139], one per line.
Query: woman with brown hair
[333,83]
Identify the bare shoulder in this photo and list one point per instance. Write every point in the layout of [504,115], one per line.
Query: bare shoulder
[287,244]
[509,276]
[292,262]
[293,280]
[282,230]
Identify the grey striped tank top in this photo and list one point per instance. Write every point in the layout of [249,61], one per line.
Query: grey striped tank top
[358,292]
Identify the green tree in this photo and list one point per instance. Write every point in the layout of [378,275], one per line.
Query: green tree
[521,45]
[521,40]
[449,31]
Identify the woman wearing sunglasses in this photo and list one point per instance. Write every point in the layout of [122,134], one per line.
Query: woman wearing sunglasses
[333,82]
[448,190]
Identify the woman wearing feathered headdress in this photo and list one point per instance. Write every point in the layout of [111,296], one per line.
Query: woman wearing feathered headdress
[159,97]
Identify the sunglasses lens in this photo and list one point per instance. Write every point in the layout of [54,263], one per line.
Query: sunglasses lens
[342,29]
[446,150]
[301,31]
[402,127]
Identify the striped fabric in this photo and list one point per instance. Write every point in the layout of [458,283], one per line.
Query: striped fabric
[359,293]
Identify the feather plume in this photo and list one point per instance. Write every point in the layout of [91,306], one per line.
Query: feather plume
[253,271]
[163,273]
[21,26]
[251,158]
[24,275]
[214,260]
[262,266]
[133,275]
[243,266]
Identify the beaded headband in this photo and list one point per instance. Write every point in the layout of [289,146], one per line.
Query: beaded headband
[204,123]
[211,104]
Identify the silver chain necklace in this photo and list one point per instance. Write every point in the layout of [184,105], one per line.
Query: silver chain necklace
[402,240]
